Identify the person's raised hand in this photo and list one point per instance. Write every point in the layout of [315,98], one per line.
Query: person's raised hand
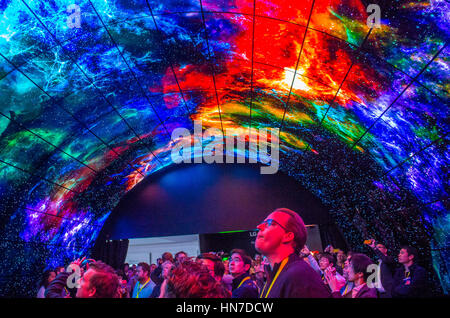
[331,281]
[331,269]
[78,262]
[305,250]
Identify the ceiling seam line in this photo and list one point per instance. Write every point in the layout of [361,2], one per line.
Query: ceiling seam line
[173,71]
[39,177]
[212,67]
[343,81]
[398,97]
[296,66]
[87,77]
[263,17]
[345,77]
[68,40]
[129,68]
[251,76]
[82,71]
[414,154]
[57,103]
[168,60]
[48,142]
[259,16]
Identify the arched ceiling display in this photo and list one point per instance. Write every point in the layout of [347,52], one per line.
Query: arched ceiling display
[87,111]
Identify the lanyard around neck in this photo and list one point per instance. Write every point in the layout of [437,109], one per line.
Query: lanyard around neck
[140,289]
[283,263]
[345,290]
[246,278]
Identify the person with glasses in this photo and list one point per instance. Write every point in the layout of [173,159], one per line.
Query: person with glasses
[214,264]
[280,238]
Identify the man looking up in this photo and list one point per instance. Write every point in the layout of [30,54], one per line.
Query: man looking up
[242,285]
[214,264]
[280,238]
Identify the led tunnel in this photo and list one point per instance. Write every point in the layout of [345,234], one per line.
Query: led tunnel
[91,91]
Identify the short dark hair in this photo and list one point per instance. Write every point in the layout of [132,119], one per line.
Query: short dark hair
[180,252]
[295,225]
[104,280]
[243,254]
[44,279]
[360,263]
[330,258]
[145,267]
[192,280]
[58,269]
[411,251]
[219,268]
[167,257]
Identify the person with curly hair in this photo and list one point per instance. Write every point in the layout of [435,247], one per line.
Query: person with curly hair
[192,280]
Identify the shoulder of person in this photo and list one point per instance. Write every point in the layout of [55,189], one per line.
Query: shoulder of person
[299,265]
[419,268]
[298,271]
[367,292]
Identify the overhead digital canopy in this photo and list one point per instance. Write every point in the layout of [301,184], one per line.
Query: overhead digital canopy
[87,111]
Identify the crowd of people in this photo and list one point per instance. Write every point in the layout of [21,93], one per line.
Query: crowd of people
[285,268]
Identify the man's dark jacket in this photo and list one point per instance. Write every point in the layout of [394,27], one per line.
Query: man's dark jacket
[156,277]
[248,288]
[417,286]
[296,280]
[364,292]
[56,287]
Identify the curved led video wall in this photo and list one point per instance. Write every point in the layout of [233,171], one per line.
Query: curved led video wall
[90,92]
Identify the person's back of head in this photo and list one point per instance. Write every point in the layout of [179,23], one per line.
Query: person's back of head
[218,268]
[167,257]
[180,256]
[102,282]
[46,278]
[193,280]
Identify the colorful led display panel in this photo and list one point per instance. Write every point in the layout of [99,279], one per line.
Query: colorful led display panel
[90,94]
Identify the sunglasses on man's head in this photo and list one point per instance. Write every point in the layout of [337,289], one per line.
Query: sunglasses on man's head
[270,222]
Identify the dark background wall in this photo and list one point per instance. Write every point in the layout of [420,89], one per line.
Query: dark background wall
[202,198]
[245,240]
